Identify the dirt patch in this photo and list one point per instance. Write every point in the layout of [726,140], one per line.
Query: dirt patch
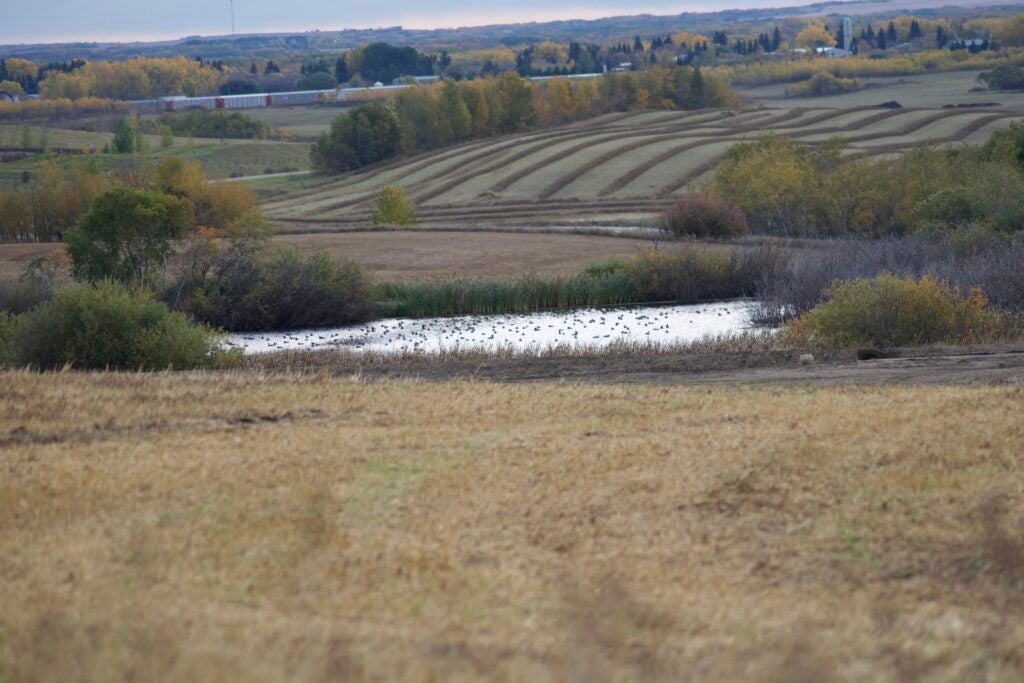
[934,366]
[15,257]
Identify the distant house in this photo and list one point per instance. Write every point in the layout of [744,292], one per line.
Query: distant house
[623,66]
[831,52]
[9,97]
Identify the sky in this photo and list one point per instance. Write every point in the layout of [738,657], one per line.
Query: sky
[130,20]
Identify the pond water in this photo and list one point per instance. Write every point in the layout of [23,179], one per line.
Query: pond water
[590,327]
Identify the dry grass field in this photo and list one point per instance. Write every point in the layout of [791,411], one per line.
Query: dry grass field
[429,255]
[190,527]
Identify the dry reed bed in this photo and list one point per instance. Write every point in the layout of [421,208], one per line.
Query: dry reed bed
[201,527]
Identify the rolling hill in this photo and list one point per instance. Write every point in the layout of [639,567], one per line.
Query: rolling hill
[618,169]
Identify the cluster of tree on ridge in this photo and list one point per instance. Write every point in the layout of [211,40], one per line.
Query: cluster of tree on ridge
[444,113]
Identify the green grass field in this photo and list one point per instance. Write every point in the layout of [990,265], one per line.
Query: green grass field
[298,122]
[219,159]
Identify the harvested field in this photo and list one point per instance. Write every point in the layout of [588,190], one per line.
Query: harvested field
[184,527]
[411,255]
[14,258]
[933,90]
[406,255]
[587,171]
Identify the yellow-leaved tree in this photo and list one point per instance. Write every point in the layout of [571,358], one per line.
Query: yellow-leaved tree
[814,36]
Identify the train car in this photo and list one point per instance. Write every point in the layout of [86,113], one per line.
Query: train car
[242,101]
[261,100]
[181,103]
[293,99]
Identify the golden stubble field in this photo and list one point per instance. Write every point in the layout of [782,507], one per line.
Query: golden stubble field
[193,527]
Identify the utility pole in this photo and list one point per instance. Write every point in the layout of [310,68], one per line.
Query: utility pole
[232,17]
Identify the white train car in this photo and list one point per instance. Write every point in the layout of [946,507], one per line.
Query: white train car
[241,101]
[296,98]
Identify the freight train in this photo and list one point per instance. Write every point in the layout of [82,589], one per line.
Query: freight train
[262,100]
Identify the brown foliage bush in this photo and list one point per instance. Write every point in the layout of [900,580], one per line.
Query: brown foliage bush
[696,216]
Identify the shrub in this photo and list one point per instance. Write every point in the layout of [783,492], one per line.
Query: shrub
[694,274]
[1004,77]
[966,258]
[366,135]
[696,216]
[822,84]
[109,326]
[127,234]
[6,332]
[244,289]
[35,286]
[889,311]
[393,208]
[203,123]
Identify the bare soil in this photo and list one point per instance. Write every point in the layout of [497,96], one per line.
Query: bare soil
[989,365]
[15,257]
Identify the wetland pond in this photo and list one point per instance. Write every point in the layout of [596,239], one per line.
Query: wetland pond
[591,328]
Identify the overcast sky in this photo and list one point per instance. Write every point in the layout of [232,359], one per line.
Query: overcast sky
[127,20]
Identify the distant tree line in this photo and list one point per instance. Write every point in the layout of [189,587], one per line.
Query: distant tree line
[429,117]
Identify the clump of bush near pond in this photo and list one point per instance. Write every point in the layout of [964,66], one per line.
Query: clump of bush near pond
[701,217]
[245,286]
[106,326]
[888,311]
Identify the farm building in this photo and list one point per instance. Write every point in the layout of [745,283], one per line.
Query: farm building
[9,96]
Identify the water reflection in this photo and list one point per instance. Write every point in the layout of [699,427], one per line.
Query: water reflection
[590,327]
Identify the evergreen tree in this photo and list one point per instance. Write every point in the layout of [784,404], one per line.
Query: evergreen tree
[776,39]
[891,37]
[124,137]
[253,69]
[915,30]
[880,40]
[638,45]
[698,91]
[341,70]
[940,37]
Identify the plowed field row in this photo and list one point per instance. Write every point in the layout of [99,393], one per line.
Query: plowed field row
[620,165]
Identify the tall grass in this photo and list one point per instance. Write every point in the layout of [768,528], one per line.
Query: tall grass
[688,275]
[519,295]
